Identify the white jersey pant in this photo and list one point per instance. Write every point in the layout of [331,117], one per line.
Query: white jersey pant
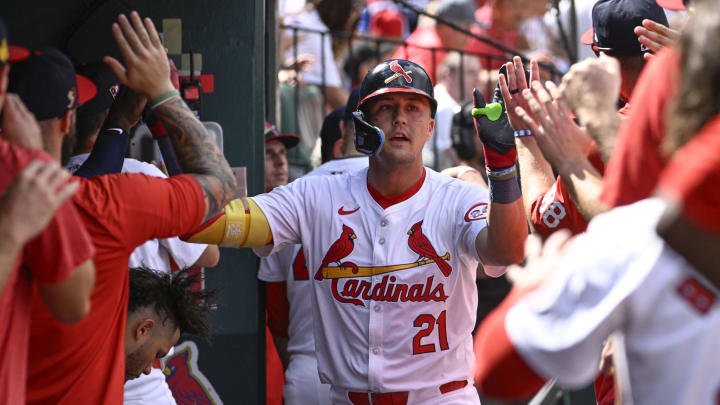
[148,389]
[428,396]
[302,382]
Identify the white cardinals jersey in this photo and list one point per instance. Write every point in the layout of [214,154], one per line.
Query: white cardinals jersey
[621,276]
[394,289]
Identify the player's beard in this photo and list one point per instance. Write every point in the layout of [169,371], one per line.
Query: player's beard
[134,364]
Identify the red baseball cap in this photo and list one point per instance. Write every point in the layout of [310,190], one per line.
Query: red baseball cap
[272,134]
[693,177]
[672,4]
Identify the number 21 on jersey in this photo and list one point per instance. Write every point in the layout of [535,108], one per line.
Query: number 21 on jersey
[427,322]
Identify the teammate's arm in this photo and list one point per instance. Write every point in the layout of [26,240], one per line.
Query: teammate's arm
[27,206]
[209,258]
[536,175]
[564,145]
[69,300]
[147,71]
[278,313]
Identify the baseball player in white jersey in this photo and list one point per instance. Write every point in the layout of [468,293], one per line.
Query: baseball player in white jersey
[391,250]
[647,270]
[155,254]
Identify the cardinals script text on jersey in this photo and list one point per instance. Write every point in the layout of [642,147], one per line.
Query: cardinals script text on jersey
[394,288]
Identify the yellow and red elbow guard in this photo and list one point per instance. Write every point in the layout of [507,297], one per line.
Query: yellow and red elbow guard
[241,224]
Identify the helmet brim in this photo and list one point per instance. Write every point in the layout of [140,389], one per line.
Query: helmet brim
[387,90]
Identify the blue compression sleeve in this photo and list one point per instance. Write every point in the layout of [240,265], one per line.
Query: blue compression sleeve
[107,155]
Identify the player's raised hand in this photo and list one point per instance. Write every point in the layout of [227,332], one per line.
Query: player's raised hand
[511,88]
[19,125]
[559,138]
[146,69]
[125,112]
[30,201]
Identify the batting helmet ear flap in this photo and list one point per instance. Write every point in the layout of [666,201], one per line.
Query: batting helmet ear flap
[368,138]
[462,131]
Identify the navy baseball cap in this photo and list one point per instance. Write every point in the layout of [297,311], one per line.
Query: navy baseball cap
[272,134]
[10,53]
[614,22]
[46,82]
[107,85]
[330,132]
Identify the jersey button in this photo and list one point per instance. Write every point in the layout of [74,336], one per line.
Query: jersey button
[376,350]
[384,222]
[377,308]
[381,241]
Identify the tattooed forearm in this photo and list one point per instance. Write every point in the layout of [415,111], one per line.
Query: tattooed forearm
[198,154]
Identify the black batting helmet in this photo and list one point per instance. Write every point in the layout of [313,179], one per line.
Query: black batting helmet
[397,76]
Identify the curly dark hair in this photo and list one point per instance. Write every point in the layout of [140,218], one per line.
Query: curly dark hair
[171,296]
[698,98]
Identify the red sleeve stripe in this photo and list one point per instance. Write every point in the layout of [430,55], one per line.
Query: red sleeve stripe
[278,308]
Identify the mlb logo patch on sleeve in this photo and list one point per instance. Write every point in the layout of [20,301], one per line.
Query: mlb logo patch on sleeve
[696,295]
[477,211]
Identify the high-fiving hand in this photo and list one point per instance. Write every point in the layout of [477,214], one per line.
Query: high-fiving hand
[512,87]
[559,138]
[147,70]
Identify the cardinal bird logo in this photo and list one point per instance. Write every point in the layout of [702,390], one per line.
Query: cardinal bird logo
[338,250]
[399,71]
[188,384]
[420,244]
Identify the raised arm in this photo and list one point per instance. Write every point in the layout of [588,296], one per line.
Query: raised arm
[108,152]
[147,71]
[501,242]
[536,175]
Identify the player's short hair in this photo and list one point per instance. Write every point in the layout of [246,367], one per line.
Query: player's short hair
[171,296]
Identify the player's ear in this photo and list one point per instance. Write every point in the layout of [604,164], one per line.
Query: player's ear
[144,329]
[66,121]
[337,148]
[431,127]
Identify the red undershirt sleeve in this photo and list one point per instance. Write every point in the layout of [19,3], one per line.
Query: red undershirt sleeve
[278,308]
[501,373]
